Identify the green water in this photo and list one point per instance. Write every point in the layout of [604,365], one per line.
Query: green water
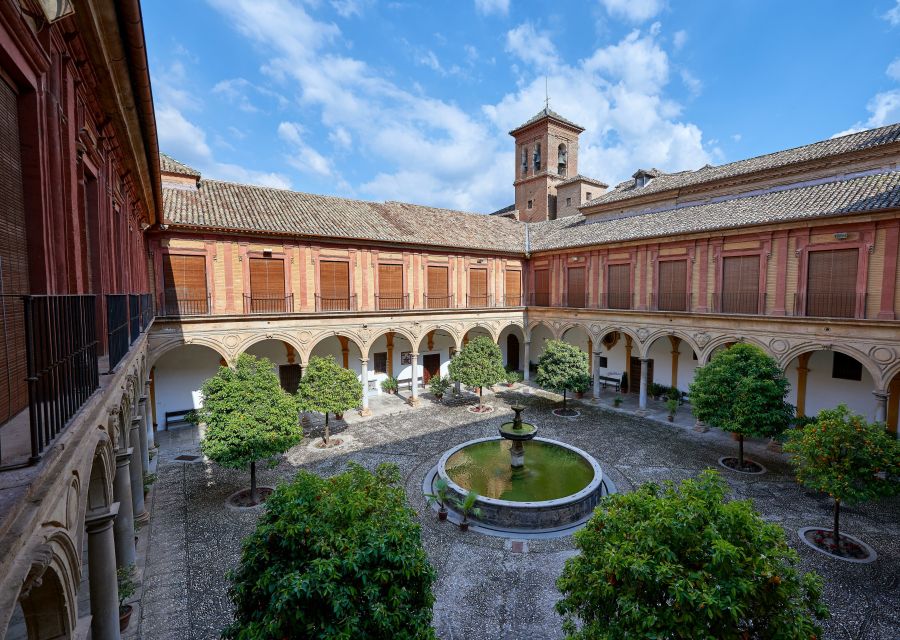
[550,471]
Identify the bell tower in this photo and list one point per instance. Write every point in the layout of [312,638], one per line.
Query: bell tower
[546,154]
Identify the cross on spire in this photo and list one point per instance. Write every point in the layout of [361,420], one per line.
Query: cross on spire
[546,93]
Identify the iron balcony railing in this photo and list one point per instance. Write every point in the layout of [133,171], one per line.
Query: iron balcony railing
[268,304]
[752,303]
[678,301]
[539,299]
[392,303]
[117,342]
[615,300]
[575,300]
[61,355]
[327,303]
[134,316]
[512,301]
[184,302]
[830,305]
[438,302]
[478,301]
[147,311]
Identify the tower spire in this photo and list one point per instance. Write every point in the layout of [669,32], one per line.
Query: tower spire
[546,93]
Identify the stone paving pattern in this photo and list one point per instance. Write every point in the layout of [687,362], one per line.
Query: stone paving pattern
[484,589]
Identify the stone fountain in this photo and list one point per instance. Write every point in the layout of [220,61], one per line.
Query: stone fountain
[518,432]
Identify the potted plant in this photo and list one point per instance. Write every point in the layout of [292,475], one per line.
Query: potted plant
[438,385]
[512,377]
[390,385]
[617,401]
[672,406]
[125,578]
[466,508]
[149,479]
[441,496]
[582,383]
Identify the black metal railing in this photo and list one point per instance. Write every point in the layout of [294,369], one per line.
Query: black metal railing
[117,342]
[327,303]
[677,301]
[830,305]
[615,300]
[147,311]
[478,301]
[268,304]
[438,302]
[738,302]
[391,303]
[512,301]
[575,300]
[539,299]
[134,316]
[185,303]
[61,353]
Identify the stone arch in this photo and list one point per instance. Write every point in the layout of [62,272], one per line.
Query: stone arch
[162,349]
[569,326]
[672,367]
[720,341]
[807,347]
[281,336]
[637,343]
[99,492]
[409,336]
[48,596]
[324,335]
[485,326]
[511,340]
[178,376]
[534,324]
[451,330]
[663,333]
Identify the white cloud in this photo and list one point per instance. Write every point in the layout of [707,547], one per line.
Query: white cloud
[893,70]
[634,10]
[736,137]
[532,47]
[349,8]
[340,137]
[679,39]
[893,15]
[883,109]
[303,157]
[488,7]
[693,84]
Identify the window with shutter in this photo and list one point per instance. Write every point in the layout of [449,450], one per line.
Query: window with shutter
[831,283]
[438,296]
[390,287]
[380,362]
[671,290]
[334,286]
[513,288]
[740,285]
[184,279]
[542,288]
[575,287]
[267,286]
[618,291]
[478,293]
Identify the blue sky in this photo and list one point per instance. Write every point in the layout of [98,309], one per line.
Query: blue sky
[412,99]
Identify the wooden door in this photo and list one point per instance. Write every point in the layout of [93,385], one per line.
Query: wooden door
[289,375]
[390,287]
[634,382]
[334,285]
[431,366]
[478,291]
[513,288]
[184,277]
[438,288]
[575,288]
[512,352]
[542,288]
[740,285]
[267,286]
[831,283]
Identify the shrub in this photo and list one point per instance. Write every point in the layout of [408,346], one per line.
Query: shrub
[562,367]
[685,563]
[658,390]
[513,376]
[742,390]
[390,384]
[479,364]
[327,388]
[127,586]
[248,416]
[438,385]
[337,557]
[846,457]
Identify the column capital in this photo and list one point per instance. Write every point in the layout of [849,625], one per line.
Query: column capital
[123,458]
[645,359]
[142,399]
[95,522]
[136,420]
[414,354]
[881,396]
[364,360]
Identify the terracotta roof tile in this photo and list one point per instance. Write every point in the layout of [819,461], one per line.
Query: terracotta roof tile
[168,164]
[546,113]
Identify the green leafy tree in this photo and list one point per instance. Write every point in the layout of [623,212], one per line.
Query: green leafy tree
[328,388]
[563,367]
[248,416]
[682,562]
[846,457]
[742,390]
[335,558]
[479,364]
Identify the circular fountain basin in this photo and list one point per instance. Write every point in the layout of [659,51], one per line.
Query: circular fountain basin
[526,432]
[559,485]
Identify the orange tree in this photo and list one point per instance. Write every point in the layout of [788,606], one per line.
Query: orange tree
[846,457]
[684,563]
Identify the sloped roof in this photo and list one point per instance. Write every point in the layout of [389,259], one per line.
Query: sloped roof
[581,178]
[226,205]
[857,195]
[546,112]
[817,150]
[168,164]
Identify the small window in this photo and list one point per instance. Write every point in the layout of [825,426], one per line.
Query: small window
[588,194]
[381,362]
[846,368]
[530,204]
[568,202]
[602,362]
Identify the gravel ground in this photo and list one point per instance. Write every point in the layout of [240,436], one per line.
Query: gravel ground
[484,589]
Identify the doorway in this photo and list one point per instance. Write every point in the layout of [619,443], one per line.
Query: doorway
[512,352]
[634,382]
[431,366]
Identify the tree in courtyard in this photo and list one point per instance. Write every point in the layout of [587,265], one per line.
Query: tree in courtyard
[682,562]
[328,388]
[562,367]
[337,557]
[742,390]
[479,364]
[248,416]
[846,457]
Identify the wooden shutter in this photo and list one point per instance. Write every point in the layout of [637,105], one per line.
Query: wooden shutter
[390,286]
[671,290]
[438,288]
[618,286]
[740,284]
[14,257]
[513,288]
[184,278]
[575,287]
[334,285]
[478,296]
[831,283]
[267,285]
[542,287]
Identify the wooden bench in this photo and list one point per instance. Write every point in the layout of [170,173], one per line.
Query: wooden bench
[610,380]
[176,419]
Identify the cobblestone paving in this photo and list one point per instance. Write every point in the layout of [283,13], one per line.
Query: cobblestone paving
[485,590]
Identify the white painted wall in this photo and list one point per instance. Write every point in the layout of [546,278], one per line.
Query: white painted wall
[539,335]
[274,350]
[825,392]
[331,348]
[504,337]
[661,354]
[178,377]
[615,358]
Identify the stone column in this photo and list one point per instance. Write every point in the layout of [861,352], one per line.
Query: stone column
[124,523]
[802,373]
[103,585]
[151,419]
[642,398]
[137,476]
[595,371]
[414,385]
[364,362]
[145,451]
[881,399]
[526,352]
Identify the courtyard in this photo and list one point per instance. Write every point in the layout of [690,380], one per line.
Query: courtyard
[488,587]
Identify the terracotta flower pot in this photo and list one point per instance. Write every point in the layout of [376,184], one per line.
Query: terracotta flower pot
[463,526]
[671,418]
[439,396]
[125,617]
[579,395]
[442,514]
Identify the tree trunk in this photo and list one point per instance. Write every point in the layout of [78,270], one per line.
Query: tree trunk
[253,497]
[480,392]
[327,433]
[741,451]
[837,534]
[564,401]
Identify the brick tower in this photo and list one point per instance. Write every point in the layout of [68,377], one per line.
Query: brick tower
[546,154]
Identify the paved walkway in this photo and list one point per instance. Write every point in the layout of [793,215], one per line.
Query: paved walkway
[484,589]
